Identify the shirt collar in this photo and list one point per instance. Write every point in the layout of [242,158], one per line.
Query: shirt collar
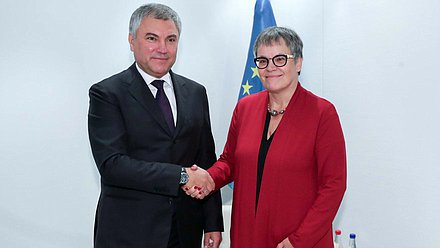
[149,79]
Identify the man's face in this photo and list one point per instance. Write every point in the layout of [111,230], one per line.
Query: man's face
[155,46]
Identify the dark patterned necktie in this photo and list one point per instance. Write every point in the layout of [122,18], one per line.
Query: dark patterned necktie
[164,104]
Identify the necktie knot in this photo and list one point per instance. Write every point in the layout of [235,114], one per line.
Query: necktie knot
[158,84]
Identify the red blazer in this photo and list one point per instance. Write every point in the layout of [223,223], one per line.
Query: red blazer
[304,176]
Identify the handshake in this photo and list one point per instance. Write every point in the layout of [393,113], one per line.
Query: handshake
[200,183]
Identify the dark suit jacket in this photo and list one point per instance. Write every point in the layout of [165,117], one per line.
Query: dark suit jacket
[140,162]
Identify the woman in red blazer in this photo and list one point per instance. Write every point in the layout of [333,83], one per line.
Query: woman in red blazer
[285,153]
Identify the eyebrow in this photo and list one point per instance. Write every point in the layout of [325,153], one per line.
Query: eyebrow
[157,36]
[151,34]
[273,56]
[172,36]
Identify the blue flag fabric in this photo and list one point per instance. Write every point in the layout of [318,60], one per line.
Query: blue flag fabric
[263,18]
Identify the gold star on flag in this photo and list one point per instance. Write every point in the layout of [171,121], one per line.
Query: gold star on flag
[255,72]
[246,88]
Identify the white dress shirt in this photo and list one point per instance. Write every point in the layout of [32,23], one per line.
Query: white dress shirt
[167,87]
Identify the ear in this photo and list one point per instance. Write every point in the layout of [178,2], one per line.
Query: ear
[298,64]
[131,40]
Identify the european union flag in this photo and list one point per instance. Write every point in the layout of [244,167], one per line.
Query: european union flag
[263,18]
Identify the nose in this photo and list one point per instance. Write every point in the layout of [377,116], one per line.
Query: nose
[271,66]
[162,47]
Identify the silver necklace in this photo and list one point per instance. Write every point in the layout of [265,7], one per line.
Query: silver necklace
[274,112]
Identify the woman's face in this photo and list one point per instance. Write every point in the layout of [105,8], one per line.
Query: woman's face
[276,79]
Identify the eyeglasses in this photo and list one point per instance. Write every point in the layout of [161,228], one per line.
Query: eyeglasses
[278,60]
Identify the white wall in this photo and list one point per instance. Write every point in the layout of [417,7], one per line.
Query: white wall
[380,69]
[375,60]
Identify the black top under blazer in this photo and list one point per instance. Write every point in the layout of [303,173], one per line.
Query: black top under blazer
[140,162]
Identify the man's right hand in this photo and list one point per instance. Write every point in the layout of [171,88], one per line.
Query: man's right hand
[200,183]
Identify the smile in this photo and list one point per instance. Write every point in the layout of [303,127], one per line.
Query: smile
[273,76]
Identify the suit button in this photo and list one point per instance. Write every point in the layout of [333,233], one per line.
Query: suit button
[170,200]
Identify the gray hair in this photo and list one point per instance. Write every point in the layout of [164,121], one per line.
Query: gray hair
[273,34]
[155,10]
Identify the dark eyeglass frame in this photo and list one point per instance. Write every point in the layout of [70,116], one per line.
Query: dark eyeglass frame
[285,56]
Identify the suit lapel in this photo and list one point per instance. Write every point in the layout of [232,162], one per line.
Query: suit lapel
[140,91]
[182,94]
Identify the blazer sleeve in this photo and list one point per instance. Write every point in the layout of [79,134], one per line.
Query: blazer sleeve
[108,139]
[212,205]
[331,164]
[222,172]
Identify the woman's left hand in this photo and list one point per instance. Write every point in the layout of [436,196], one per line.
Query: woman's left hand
[285,244]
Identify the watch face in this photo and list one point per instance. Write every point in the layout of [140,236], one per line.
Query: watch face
[184,177]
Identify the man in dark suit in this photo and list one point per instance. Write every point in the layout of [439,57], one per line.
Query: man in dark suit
[147,126]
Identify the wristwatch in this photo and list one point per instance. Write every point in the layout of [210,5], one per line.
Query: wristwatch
[184,177]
